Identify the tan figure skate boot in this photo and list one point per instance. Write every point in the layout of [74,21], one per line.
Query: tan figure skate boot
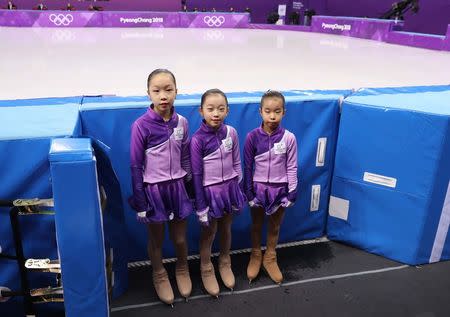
[209,279]
[163,287]
[254,265]
[271,266]
[183,280]
[225,271]
[270,256]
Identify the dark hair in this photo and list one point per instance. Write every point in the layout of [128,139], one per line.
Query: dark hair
[272,94]
[213,91]
[160,71]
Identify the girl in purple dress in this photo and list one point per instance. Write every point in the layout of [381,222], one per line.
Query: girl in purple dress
[216,172]
[160,166]
[270,178]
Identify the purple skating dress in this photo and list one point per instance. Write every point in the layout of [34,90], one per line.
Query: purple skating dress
[216,170]
[159,157]
[270,168]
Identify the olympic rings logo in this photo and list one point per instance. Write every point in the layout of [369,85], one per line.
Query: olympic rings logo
[61,19]
[214,20]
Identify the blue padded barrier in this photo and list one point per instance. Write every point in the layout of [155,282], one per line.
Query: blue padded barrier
[41,101]
[25,137]
[390,189]
[79,228]
[310,115]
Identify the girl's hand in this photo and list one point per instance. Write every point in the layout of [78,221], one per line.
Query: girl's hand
[254,203]
[286,203]
[142,217]
[203,217]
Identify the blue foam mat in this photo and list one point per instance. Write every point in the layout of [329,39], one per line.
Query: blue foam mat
[25,139]
[401,137]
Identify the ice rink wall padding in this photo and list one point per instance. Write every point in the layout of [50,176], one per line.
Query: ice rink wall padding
[310,115]
[390,189]
[28,126]
[25,136]
[79,228]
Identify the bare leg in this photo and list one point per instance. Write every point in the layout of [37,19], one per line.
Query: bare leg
[224,226]
[177,230]
[206,267]
[254,265]
[207,236]
[154,247]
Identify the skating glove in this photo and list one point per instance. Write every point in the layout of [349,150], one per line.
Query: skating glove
[203,217]
[142,217]
[254,203]
[286,203]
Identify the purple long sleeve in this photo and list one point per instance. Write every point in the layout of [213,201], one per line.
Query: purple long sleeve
[185,153]
[237,166]
[291,168]
[197,173]
[249,154]
[137,145]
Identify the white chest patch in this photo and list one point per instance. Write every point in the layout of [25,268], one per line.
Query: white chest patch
[279,148]
[227,144]
[178,133]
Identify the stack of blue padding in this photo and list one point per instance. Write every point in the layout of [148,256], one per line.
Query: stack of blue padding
[79,228]
[390,190]
[25,136]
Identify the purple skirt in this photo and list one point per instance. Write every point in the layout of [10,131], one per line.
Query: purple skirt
[269,195]
[224,198]
[167,201]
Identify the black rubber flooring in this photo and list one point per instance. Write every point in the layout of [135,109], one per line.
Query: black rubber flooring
[323,279]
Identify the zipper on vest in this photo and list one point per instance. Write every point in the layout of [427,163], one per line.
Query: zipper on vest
[270,158]
[220,150]
[170,152]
